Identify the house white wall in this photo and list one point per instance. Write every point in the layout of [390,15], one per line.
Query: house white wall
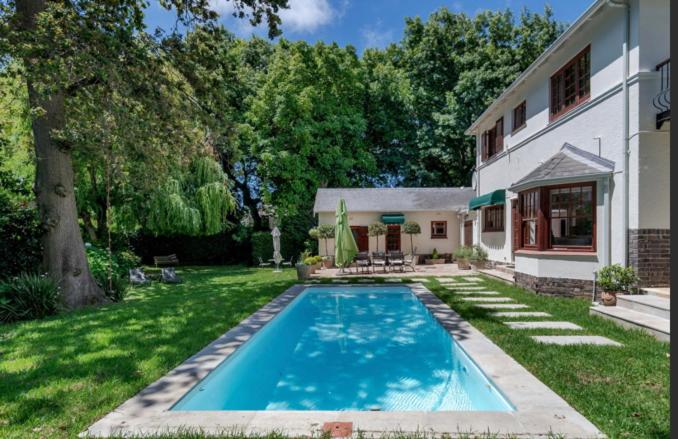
[423,242]
[595,126]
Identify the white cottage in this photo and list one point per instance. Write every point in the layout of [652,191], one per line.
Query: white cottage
[572,169]
[436,210]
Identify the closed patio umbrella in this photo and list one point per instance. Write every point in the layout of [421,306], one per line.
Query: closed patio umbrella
[277,257]
[345,247]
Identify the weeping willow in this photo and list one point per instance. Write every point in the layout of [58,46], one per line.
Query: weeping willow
[197,205]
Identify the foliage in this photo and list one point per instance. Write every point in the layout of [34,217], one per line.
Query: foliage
[111,271]
[262,246]
[463,253]
[377,229]
[16,141]
[313,233]
[614,278]
[435,254]
[20,234]
[478,254]
[28,296]
[411,228]
[325,232]
[312,260]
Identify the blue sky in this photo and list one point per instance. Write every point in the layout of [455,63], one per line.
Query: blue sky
[363,23]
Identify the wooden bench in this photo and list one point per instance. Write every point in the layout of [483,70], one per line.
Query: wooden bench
[166,260]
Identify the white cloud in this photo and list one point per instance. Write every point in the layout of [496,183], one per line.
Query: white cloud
[301,16]
[376,36]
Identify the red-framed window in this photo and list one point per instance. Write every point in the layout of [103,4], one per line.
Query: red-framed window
[493,218]
[571,85]
[438,229]
[561,217]
[492,140]
[519,117]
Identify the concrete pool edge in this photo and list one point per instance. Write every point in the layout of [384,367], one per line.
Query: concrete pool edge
[539,411]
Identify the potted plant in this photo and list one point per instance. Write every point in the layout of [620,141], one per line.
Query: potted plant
[325,232]
[304,270]
[462,255]
[376,230]
[435,258]
[615,279]
[411,228]
[478,257]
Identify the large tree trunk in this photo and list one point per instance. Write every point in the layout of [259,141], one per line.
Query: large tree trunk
[64,251]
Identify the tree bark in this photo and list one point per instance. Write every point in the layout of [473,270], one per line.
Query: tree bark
[64,256]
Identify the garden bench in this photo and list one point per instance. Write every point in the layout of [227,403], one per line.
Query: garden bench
[166,260]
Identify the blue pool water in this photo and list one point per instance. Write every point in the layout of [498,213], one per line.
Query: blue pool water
[348,348]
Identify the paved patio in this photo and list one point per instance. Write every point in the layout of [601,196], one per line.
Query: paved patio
[420,270]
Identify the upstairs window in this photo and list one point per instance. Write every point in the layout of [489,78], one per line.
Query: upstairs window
[519,116]
[571,85]
[492,140]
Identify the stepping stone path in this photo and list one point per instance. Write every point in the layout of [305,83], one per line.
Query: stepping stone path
[502,306]
[472,279]
[484,293]
[365,281]
[543,325]
[487,299]
[339,281]
[393,280]
[565,340]
[464,287]
[521,314]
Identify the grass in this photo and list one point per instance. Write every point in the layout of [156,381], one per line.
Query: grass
[59,375]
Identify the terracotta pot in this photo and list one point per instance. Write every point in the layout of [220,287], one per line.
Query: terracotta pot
[463,264]
[434,261]
[479,265]
[328,263]
[609,298]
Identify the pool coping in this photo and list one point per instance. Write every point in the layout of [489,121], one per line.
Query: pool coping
[539,412]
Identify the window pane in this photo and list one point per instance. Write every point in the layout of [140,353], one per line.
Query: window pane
[571,221]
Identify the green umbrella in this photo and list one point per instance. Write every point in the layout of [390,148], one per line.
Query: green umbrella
[345,247]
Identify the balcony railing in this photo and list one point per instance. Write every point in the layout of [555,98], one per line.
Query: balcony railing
[662,101]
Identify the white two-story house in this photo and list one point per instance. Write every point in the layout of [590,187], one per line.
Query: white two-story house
[572,169]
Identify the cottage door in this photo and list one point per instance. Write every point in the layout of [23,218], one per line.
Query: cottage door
[393,238]
[362,240]
[468,232]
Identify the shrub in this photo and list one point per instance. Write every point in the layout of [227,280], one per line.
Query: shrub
[325,232]
[312,260]
[313,233]
[617,278]
[463,252]
[411,228]
[435,254]
[377,229]
[20,238]
[478,254]
[120,263]
[28,296]
[262,246]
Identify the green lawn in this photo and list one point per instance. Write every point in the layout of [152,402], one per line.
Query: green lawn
[59,375]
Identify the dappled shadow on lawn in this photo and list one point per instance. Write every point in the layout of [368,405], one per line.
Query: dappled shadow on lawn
[59,374]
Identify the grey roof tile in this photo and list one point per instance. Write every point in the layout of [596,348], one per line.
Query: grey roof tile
[393,199]
[568,163]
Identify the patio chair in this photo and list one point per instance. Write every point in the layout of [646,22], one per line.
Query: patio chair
[379,260]
[410,261]
[362,262]
[289,263]
[169,276]
[137,277]
[263,264]
[396,259]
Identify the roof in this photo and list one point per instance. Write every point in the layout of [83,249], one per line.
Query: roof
[541,59]
[393,199]
[570,163]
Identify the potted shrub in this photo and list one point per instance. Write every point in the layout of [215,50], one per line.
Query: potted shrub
[478,257]
[411,228]
[462,255]
[376,230]
[304,270]
[615,279]
[325,232]
[435,258]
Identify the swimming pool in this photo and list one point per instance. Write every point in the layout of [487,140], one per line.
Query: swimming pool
[349,348]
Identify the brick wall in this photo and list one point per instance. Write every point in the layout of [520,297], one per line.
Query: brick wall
[650,256]
[555,286]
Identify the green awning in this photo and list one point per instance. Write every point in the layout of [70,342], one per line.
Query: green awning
[393,218]
[488,199]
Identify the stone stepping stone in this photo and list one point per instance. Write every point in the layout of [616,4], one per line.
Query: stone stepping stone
[393,279]
[543,325]
[472,279]
[421,279]
[502,306]
[521,314]
[566,340]
[365,281]
[339,281]
[487,299]
[315,281]
[464,287]
[483,293]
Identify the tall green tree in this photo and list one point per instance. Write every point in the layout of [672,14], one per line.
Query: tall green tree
[65,47]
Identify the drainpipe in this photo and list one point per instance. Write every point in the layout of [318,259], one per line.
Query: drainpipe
[625,136]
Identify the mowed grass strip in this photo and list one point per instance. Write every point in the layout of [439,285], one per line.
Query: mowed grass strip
[623,391]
